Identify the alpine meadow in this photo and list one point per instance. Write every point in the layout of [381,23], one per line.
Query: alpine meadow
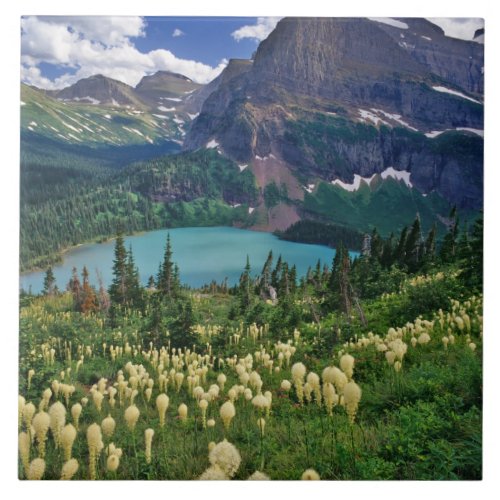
[250,249]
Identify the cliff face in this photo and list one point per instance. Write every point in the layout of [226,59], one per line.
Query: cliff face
[331,98]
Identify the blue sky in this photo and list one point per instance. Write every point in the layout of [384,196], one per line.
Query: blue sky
[56,51]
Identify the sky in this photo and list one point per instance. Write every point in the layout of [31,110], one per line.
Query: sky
[57,51]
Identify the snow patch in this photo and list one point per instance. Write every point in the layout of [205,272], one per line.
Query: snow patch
[367,115]
[34,124]
[212,144]
[23,103]
[31,128]
[75,138]
[455,92]
[390,21]
[426,37]
[250,209]
[163,117]
[108,117]
[165,110]
[236,205]
[92,100]
[396,118]
[242,167]
[192,117]
[354,186]
[53,128]
[310,188]
[178,121]
[477,131]
[189,91]
[174,99]
[399,175]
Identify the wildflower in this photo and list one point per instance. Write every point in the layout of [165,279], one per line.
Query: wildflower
[28,412]
[260,402]
[445,341]
[21,402]
[76,411]
[148,437]
[330,397]
[131,416]
[472,346]
[113,450]
[31,373]
[390,356]
[247,393]
[162,404]
[95,444]
[413,341]
[258,476]
[108,426]
[310,475]
[211,446]
[424,338]
[298,373]
[226,456]
[213,473]
[211,422]
[347,365]
[41,423]
[55,387]
[397,366]
[36,469]
[57,414]
[286,385]
[227,413]
[68,436]
[24,450]
[69,469]
[352,397]
[203,404]
[183,412]
[232,394]
[221,380]
[47,394]
[112,462]
[339,379]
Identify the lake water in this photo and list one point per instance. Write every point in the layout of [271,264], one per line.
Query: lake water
[203,254]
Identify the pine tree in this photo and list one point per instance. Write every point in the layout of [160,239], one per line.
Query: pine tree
[430,244]
[265,275]
[102,296]
[245,287]
[134,290]
[386,258]
[118,288]
[412,247]
[400,253]
[275,276]
[448,249]
[75,287]
[292,279]
[166,278]
[473,264]
[49,282]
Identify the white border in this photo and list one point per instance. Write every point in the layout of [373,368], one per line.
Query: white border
[9,197]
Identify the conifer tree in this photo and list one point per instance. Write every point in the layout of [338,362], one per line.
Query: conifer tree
[265,275]
[166,278]
[75,287]
[412,246]
[245,287]
[448,248]
[133,285]
[118,288]
[49,282]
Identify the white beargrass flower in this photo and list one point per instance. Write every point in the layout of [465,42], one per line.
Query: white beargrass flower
[57,414]
[213,473]
[330,397]
[95,445]
[148,437]
[108,426]
[352,397]
[36,469]
[68,436]
[183,412]
[24,450]
[131,416]
[347,365]
[76,411]
[424,338]
[286,385]
[226,457]
[227,413]
[258,476]
[41,424]
[112,463]
[221,380]
[69,469]
[390,356]
[310,475]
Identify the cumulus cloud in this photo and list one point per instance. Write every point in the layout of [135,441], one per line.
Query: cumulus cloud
[458,27]
[177,32]
[258,31]
[97,45]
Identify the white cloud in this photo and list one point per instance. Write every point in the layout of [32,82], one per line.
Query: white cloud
[97,45]
[177,32]
[458,27]
[258,31]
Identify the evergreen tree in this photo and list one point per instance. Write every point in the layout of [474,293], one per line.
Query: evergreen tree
[133,286]
[400,253]
[245,287]
[102,296]
[49,282]
[265,275]
[473,261]
[413,247]
[292,279]
[275,276]
[75,287]
[166,278]
[386,258]
[151,283]
[448,248]
[430,244]
[118,288]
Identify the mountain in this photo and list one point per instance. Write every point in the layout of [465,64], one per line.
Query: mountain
[329,100]
[99,89]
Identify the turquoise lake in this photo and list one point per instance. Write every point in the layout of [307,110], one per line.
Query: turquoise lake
[203,254]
